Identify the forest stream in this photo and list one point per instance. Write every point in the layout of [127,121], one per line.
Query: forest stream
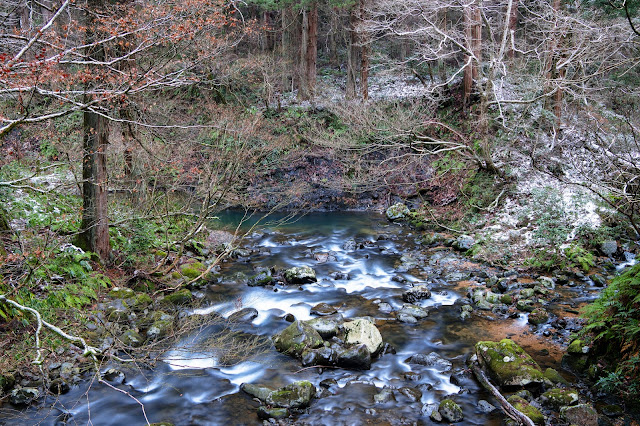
[376,261]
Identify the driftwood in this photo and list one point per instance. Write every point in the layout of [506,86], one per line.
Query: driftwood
[509,409]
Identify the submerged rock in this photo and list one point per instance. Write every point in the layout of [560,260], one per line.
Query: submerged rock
[300,275]
[243,315]
[362,331]
[265,413]
[509,364]
[431,360]
[538,316]
[297,338]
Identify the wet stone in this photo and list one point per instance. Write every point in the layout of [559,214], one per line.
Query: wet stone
[412,394]
[297,338]
[295,395]
[582,414]
[256,391]
[414,311]
[450,411]
[414,294]
[323,309]
[384,396]
[357,357]
[265,413]
[23,396]
[327,327]
[245,315]
[485,407]
[113,375]
[362,331]
[431,360]
[300,275]
[406,318]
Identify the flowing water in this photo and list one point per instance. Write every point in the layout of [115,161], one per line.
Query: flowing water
[200,391]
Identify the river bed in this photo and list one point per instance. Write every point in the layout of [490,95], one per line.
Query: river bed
[198,390]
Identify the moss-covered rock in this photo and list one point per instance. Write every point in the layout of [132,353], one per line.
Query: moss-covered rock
[193,270]
[553,376]
[557,397]
[450,411]
[582,414]
[527,409]
[121,293]
[261,279]
[509,364]
[23,396]
[397,211]
[180,297]
[6,382]
[295,395]
[132,338]
[139,302]
[161,326]
[538,316]
[297,338]
[256,391]
[265,413]
[577,347]
[507,299]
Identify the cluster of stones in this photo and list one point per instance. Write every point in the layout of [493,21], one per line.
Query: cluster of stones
[532,391]
[330,340]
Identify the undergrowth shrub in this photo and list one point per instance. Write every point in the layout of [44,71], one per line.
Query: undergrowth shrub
[613,325]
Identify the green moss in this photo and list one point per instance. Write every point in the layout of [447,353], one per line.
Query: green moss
[527,409]
[507,299]
[557,397]
[180,297]
[575,347]
[121,293]
[193,270]
[553,376]
[138,302]
[508,363]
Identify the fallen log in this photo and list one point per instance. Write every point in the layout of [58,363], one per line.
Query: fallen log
[509,409]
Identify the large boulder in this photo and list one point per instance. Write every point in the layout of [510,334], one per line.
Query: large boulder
[357,357]
[509,364]
[295,395]
[300,275]
[297,338]
[327,327]
[397,211]
[362,331]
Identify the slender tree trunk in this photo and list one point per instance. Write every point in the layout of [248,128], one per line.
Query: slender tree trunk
[473,30]
[513,23]
[309,51]
[352,55]
[552,74]
[364,55]
[333,37]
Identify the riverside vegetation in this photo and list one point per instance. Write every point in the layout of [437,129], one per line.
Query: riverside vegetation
[150,192]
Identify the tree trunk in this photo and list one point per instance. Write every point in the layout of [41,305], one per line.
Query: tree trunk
[473,30]
[513,23]
[94,230]
[309,52]
[333,37]
[552,74]
[352,53]
[364,55]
